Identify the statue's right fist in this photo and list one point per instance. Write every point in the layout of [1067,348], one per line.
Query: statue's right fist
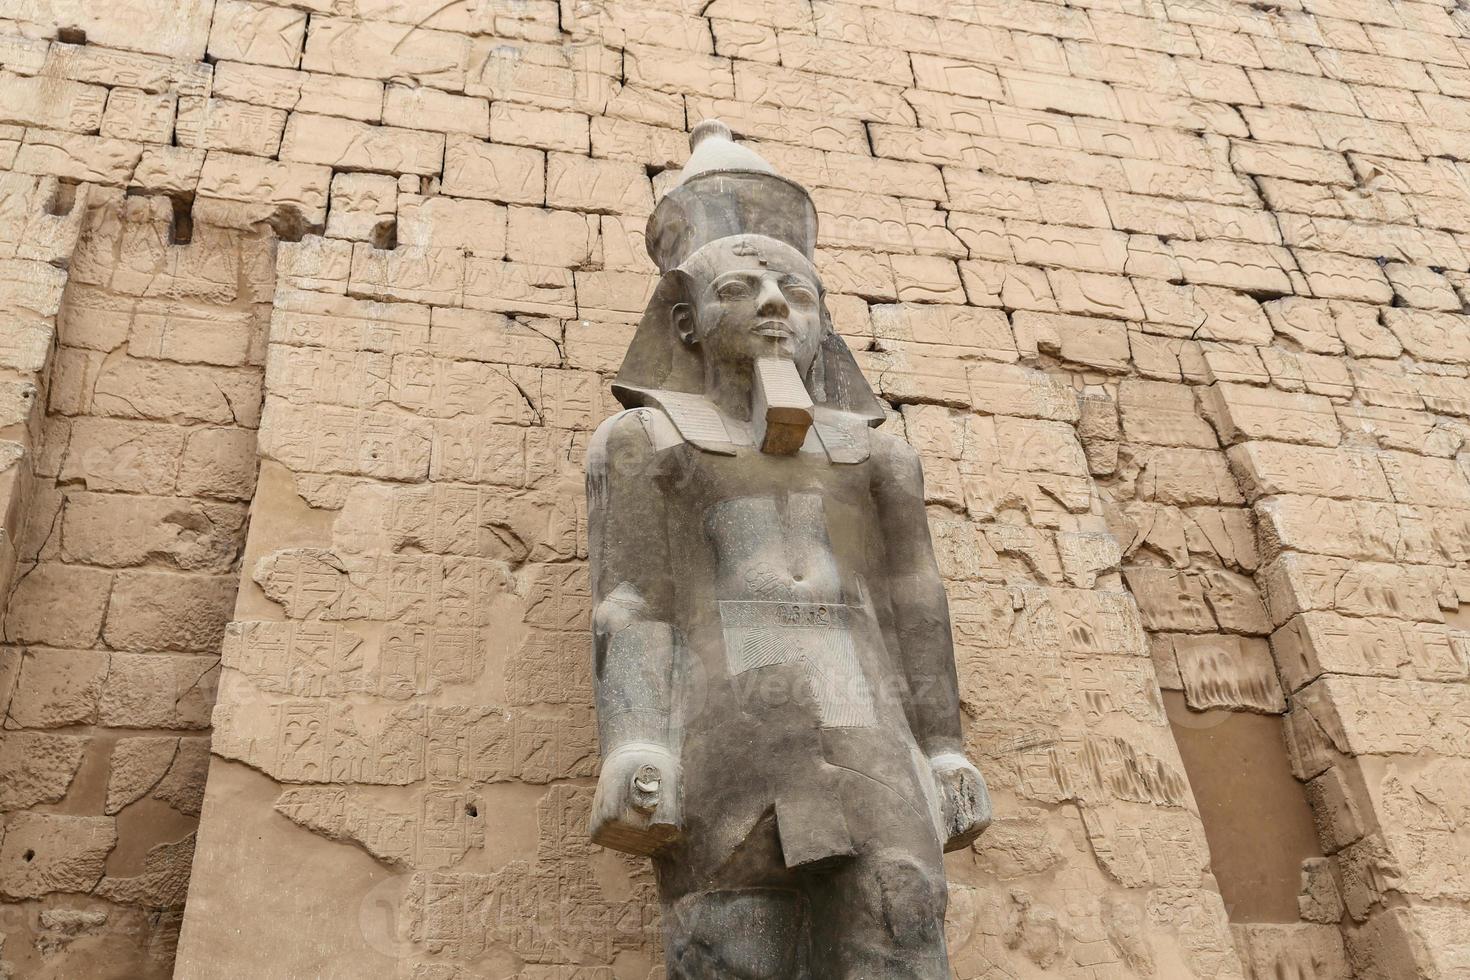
[636,808]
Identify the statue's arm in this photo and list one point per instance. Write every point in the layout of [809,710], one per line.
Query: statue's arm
[925,643]
[637,804]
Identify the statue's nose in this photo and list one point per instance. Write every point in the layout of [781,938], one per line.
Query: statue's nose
[772,302]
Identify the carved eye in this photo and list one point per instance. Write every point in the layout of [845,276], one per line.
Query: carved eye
[800,295]
[735,289]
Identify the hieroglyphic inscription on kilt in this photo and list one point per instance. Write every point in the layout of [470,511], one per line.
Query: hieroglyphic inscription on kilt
[817,638]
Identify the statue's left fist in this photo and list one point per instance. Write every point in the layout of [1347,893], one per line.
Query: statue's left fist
[636,808]
[963,798]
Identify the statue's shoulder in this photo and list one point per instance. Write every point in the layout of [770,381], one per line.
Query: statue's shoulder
[631,433]
[895,461]
[890,450]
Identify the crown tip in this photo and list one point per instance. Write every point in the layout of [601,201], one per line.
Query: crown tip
[707,129]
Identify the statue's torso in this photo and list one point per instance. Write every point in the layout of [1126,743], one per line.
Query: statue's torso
[787,669]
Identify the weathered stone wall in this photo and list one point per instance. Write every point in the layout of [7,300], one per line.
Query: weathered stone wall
[137,466]
[1170,295]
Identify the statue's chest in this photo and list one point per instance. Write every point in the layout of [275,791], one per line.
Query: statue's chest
[777,528]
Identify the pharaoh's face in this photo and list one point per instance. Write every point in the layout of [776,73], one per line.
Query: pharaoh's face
[752,297]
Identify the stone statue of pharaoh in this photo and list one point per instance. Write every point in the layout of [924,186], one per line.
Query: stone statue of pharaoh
[776,693]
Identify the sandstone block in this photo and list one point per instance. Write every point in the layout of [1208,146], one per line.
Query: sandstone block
[477,336]
[59,605]
[513,287]
[1236,265]
[163,882]
[1393,428]
[257,33]
[102,63]
[1296,583]
[233,127]
[118,531]
[139,116]
[926,279]
[606,186]
[1232,672]
[596,346]
[942,74]
[1335,276]
[1203,312]
[545,129]
[1292,162]
[748,42]
[169,169]
[1090,250]
[380,49]
[1186,477]
[1335,807]
[1019,391]
[318,264]
[1273,950]
[345,441]
[164,391]
[136,766]
[553,75]
[182,787]
[1244,412]
[159,691]
[409,274]
[1090,342]
[57,688]
[168,611]
[514,175]
[1429,335]
[1417,480]
[1170,600]
[1235,601]
[1044,446]
[1244,364]
[1385,383]
[219,463]
[37,767]
[561,238]
[1353,716]
[43,853]
[1269,468]
[281,88]
[1345,528]
[1162,414]
[1316,373]
[52,103]
[438,227]
[346,144]
[363,207]
[1093,294]
[624,139]
[431,109]
[297,190]
[984,331]
[91,159]
[1422,288]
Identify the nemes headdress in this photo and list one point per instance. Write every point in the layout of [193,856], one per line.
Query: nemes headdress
[727,189]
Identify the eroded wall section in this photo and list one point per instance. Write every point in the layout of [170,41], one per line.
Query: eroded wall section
[136,485]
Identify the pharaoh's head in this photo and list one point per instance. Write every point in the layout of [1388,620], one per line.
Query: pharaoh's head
[746,297]
[735,243]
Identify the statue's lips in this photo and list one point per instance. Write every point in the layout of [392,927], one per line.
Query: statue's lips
[775,328]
